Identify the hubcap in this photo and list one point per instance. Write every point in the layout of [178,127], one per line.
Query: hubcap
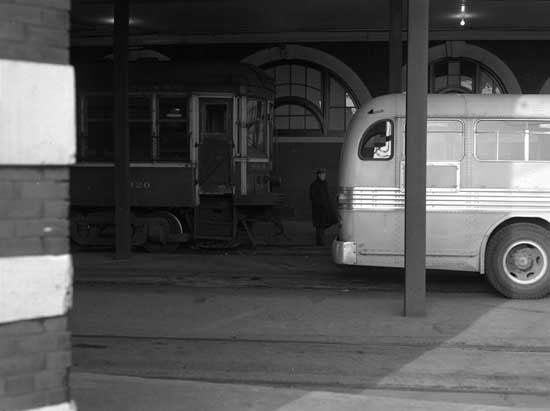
[525,262]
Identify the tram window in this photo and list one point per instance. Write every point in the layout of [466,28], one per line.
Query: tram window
[97,144]
[445,140]
[377,142]
[216,118]
[140,141]
[501,140]
[256,128]
[139,110]
[99,107]
[173,142]
[173,107]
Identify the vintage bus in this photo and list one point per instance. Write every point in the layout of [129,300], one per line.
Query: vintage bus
[487,188]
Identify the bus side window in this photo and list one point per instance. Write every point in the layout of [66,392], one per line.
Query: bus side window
[445,140]
[512,140]
[377,142]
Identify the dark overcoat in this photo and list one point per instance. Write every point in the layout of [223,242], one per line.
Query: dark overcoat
[322,211]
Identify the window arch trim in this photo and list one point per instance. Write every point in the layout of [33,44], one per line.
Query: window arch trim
[304,102]
[315,66]
[461,49]
[317,57]
[332,114]
[458,88]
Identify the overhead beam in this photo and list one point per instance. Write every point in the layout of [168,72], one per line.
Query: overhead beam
[101,38]
[120,128]
[415,156]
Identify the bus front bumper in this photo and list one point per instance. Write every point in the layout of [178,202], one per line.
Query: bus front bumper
[344,252]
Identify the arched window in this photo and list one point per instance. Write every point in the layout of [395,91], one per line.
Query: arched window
[310,100]
[461,75]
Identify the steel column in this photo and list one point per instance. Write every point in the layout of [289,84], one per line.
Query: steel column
[121,143]
[415,154]
[395,46]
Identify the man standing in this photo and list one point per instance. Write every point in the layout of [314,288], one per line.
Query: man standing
[322,212]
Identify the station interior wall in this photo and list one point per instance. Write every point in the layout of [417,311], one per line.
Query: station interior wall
[295,162]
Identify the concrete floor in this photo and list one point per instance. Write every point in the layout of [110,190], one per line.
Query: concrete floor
[288,330]
[106,392]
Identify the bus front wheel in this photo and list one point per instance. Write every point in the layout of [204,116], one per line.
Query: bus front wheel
[517,261]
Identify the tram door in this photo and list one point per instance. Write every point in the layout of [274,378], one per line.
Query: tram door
[215,145]
[215,216]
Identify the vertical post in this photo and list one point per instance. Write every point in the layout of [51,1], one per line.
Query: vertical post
[415,154]
[395,46]
[121,143]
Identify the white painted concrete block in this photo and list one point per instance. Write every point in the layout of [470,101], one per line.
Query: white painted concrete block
[35,287]
[37,113]
[66,406]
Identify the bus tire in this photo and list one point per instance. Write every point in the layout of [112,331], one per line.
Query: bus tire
[517,261]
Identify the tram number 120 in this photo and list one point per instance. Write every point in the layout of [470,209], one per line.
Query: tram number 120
[140,185]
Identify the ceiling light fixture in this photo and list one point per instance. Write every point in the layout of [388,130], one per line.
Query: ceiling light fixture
[111,20]
[462,13]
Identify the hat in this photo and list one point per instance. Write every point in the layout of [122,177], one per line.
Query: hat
[320,170]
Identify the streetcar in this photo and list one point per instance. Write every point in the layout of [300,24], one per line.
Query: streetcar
[200,153]
[488,188]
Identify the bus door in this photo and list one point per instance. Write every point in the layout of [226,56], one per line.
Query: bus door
[215,217]
[450,218]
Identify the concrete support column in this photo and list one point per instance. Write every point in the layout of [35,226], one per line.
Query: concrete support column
[122,145]
[415,154]
[395,46]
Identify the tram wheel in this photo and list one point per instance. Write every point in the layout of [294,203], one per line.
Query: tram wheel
[517,261]
[171,226]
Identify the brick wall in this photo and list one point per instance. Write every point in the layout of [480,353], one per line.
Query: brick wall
[34,360]
[33,211]
[35,30]
[37,140]
[34,353]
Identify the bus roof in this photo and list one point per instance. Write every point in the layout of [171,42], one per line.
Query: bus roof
[468,105]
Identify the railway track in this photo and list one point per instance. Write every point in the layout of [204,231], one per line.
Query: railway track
[308,280]
[376,363]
